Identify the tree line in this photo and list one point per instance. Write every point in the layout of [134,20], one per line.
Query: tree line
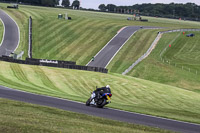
[75,4]
[51,3]
[172,10]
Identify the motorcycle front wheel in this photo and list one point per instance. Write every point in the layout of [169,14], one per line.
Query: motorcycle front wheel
[101,103]
[88,102]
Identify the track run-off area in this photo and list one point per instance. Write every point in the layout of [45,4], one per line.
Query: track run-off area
[102,59]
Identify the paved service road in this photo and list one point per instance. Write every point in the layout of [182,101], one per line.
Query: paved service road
[105,112]
[11,36]
[103,58]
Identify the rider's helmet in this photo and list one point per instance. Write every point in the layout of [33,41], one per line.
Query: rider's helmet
[107,86]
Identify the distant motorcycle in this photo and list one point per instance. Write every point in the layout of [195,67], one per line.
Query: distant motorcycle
[100,97]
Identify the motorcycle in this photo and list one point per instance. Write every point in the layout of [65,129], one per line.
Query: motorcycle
[100,99]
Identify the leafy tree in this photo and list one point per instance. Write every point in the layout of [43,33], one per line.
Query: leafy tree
[102,7]
[111,7]
[66,3]
[76,4]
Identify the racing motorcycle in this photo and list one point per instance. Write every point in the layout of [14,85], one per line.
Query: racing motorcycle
[100,98]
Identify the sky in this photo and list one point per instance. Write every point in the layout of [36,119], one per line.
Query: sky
[95,3]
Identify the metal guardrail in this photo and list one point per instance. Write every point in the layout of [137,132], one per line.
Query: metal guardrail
[152,46]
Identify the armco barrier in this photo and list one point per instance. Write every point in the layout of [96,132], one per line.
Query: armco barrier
[87,68]
[53,63]
[10,59]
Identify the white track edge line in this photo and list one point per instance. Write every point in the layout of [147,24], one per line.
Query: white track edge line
[107,108]
[120,48]
[3,32]
[107,44]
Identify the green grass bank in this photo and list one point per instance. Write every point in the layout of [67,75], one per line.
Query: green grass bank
[178,65]
[129,93]
[23,117]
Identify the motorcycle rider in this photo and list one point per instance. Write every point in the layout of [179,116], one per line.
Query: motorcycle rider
[99,91]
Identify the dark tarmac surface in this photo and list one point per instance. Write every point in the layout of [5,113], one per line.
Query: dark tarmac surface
[11,36]
[105,112]
[103,58]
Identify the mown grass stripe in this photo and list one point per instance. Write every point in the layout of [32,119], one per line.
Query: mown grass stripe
[43,26]
[56,81]
[10,77]
[33,14]
[70,42]
[44,78]
[19,72]
[87,42]
[68,32]
[48,38]
[72,86]
[81,43]
[75,48]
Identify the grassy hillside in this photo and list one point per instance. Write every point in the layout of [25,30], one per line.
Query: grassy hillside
[79,39]
[23,117]
[184,62]
[82,37]
[1,31]
[128,93]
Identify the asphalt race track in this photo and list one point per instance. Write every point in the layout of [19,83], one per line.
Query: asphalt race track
[10,43]
[105,112]
[103,58]
[11,36]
